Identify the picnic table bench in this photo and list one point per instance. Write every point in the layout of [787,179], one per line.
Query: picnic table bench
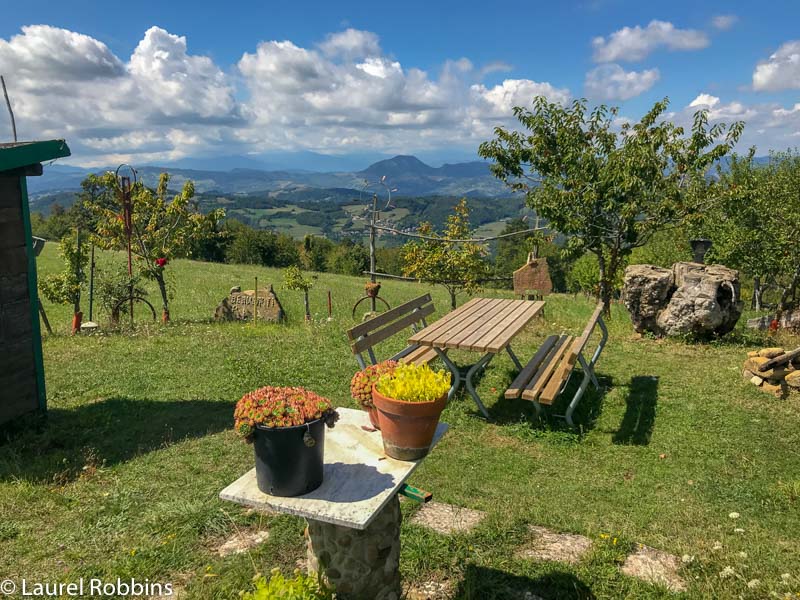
[547,374]
[410,315]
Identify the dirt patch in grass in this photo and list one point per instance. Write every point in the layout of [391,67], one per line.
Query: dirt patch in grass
[546,544]
[242,541]
[655,566]
[446,518]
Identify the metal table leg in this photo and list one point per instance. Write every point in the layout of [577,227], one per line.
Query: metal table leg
[481,364]
[453,370]
[514,358]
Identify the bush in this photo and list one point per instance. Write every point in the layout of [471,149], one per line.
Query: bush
[114,286]
[300,587]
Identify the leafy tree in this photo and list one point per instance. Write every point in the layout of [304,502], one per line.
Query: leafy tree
[755,225]
[389,260]
[458,266]
[348,258]
[162,229]
[315,252]
[65,287]
[294,280]
[607,188]
[664,248]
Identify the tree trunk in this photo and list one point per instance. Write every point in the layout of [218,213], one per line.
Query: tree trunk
[788,292]
[755,303]
[162,287]
[452,293]
[605,284]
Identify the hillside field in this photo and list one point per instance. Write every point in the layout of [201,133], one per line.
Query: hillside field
[122,480]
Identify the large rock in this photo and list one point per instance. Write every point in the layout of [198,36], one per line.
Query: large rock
[646,293]
[690,299]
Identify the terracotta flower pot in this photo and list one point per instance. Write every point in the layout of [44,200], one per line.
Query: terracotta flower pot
[407,428]
[373,417]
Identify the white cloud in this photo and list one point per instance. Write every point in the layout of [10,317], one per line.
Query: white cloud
[612,82]
[724,22]
[636,43]
[499,100]
[781,71]
[704,101]
[42,52]
[177,84]
[351,44]
[163,102]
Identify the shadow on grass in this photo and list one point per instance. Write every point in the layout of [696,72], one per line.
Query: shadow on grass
[505,411]
[59,447]
[484,583]
[638,422]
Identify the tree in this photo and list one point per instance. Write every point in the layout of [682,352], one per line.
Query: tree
[755,225]
[315,252]
[161,229]
[607,190]
[65,287]
[294,280]
[348,258]
[458,266]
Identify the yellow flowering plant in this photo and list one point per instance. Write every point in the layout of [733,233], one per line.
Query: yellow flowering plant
[414,383]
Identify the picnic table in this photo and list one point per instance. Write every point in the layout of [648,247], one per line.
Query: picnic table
[485,325]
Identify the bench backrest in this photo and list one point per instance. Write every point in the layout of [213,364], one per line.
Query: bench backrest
[579,343]
[369,333]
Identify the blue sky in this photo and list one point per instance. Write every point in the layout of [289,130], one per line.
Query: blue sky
[161,81]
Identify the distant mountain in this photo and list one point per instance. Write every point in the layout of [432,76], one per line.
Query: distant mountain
[398,167]
[408,174]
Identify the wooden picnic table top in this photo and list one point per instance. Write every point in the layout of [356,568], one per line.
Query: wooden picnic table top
[480,325]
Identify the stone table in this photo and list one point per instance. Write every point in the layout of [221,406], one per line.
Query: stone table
[353,532]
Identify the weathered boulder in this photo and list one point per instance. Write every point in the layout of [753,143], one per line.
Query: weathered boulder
[690,299]
[647,291]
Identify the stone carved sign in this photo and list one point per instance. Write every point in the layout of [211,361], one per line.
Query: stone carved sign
[239,306]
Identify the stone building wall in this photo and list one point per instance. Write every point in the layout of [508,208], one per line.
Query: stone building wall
[18,382]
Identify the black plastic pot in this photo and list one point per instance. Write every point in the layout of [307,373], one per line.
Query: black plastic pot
[289,462]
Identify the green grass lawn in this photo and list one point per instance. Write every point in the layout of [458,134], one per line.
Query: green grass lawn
[123,478]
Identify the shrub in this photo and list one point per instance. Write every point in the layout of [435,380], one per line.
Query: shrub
[300,587]
[362,382]
[280,407]
[414,383]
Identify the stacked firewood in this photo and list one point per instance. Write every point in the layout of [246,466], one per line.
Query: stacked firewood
[773,370]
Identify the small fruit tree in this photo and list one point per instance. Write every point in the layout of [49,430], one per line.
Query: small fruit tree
[436,258]
[161,228]
[607,187]
[65,287]
[295,281]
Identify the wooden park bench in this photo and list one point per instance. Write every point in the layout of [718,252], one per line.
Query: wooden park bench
[411,315]
[548,372]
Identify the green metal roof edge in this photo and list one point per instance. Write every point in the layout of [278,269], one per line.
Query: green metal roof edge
[31,153]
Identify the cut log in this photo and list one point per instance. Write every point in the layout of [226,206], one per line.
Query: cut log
[780,360]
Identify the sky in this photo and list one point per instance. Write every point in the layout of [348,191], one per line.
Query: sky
[157,82]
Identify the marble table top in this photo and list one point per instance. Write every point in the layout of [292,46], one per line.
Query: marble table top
[359,479]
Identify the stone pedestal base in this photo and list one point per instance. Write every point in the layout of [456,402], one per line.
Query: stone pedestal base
[360,564]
